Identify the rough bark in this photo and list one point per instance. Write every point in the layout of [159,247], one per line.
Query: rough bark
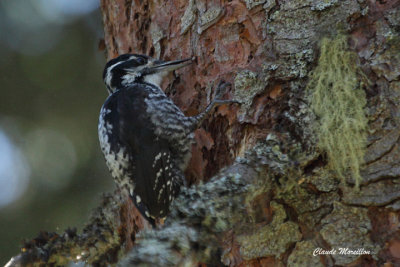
[277,201]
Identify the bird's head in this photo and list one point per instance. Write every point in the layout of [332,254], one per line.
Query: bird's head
[132,68]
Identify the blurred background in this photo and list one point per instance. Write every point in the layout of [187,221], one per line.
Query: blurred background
[52,172]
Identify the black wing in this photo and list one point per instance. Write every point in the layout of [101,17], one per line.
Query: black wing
[152,169]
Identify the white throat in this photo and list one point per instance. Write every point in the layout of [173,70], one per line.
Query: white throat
[155,78]
[128,79]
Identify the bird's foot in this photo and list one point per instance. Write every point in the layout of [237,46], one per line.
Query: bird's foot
[221,89]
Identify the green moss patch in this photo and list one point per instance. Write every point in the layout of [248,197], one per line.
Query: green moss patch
[338,101]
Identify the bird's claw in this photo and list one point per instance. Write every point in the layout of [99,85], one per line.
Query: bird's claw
[222,88]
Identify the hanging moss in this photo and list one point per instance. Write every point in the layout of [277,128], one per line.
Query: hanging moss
[338,101]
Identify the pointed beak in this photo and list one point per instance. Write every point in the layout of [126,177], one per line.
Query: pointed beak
[167,66]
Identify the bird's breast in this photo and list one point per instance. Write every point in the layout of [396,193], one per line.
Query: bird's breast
[116,156]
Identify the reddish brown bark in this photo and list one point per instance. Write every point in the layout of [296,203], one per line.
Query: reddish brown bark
[230,36]
[267,49]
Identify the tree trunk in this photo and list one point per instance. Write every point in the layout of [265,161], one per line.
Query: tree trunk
[283,196]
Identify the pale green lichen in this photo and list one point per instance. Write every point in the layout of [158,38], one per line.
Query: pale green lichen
[209,18]
[269,4]
[349,226]
[189,17]
[302,255]
[322,5]
[338,101]
[247,85]
[157,35]
[253,3]
[272,239]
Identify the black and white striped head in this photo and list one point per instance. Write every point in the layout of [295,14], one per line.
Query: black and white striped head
[127,69]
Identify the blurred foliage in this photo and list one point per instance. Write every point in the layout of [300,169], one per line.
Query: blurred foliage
[49,109]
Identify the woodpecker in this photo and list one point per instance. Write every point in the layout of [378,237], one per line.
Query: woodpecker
[145,138]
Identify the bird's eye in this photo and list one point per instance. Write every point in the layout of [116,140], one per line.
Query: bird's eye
[140,61]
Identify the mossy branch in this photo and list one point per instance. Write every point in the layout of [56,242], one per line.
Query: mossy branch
[100,240]
[203,215]
[198,220]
